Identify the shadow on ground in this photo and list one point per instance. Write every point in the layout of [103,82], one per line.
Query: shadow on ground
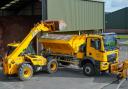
[65,73]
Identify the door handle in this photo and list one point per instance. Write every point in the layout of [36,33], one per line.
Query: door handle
[90,53]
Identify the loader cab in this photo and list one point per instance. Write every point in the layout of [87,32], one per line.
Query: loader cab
[11,47]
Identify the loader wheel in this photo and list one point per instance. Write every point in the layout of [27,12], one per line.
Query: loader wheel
[88,69]
[52,66]
[25,72]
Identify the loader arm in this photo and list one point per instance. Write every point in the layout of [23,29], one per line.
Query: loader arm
[24,44]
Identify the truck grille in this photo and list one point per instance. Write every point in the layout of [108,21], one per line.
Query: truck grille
[112,57]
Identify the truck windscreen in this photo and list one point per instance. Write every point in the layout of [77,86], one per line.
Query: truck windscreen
[110,42]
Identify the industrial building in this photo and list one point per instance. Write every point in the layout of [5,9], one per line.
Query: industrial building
[19,16]
[78,14]
[117,21]
[61,44]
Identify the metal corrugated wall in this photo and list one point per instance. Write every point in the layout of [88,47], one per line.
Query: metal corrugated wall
[78,14]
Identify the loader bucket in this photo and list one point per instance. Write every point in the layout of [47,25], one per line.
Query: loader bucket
[55,25]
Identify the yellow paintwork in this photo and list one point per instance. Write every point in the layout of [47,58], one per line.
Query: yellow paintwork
[36,60]
[72,44]
[69,46]
[27,72]
[104,66]
[13,44]
[10,67]
[12,62]
[80,55]
[100,55]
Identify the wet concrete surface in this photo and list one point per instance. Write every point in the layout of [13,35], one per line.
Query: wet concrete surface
[65,78]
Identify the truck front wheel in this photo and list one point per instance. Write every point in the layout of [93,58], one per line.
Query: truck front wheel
[25,72]
[88,69]
[52,66]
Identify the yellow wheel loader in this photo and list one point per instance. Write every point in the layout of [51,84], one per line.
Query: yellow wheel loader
[22,62]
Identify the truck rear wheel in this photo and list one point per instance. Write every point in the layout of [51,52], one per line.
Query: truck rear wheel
[25,72]
[88,69]
[52,66]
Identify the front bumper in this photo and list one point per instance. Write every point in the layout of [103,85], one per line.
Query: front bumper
[104,66]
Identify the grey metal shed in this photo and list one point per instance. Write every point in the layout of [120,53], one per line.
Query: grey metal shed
[78,14]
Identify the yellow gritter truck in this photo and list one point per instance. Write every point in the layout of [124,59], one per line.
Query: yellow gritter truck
[95,53]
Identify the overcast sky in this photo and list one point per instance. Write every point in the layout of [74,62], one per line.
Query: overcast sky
[113,5]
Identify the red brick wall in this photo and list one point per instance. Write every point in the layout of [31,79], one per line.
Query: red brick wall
[15,28]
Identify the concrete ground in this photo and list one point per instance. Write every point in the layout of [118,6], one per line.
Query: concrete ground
[65,78]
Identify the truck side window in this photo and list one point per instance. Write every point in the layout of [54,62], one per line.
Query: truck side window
[95,43]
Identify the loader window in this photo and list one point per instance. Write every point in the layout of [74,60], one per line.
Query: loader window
[29,50]
[95,43]
[10,49]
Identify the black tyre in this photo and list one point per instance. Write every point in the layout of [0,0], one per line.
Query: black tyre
[88,69]
[52,66]
[25,72]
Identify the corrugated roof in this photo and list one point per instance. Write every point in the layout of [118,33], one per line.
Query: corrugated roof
[14,4]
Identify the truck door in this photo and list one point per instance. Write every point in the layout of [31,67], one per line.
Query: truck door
[93,49]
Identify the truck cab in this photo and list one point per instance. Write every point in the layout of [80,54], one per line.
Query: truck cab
[93,52]
[101,51]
